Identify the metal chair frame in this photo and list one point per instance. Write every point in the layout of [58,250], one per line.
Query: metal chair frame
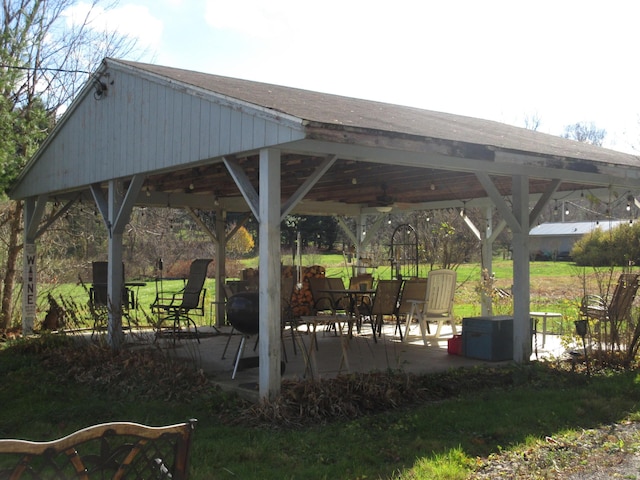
[179,307]
[384,303]
[609,314]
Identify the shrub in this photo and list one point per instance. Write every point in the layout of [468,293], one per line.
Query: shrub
[619,246]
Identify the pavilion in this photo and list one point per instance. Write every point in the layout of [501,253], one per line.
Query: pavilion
[148,135]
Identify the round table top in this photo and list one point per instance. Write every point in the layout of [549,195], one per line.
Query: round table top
[545,314]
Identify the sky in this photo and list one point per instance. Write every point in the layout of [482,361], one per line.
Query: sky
[560,61]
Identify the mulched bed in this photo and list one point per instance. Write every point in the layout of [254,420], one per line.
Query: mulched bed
[145,372]
[149,372]
[303,403]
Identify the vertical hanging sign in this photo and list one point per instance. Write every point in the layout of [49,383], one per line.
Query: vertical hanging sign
[30,282]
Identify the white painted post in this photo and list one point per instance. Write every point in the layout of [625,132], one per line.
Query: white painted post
[30,294]
[269,273]
[361,235]
[221,251]
[115,335]
[521,281]
[486,300]
[33,211]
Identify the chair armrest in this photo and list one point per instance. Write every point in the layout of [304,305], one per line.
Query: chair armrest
[591,301]
[593,306]
[166,302]
[320,301]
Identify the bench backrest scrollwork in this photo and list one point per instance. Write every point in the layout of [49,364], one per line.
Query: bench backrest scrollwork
[116,450]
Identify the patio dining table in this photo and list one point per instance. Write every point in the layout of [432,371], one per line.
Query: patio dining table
[354,295]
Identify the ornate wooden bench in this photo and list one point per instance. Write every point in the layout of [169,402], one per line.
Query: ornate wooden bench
[117,450]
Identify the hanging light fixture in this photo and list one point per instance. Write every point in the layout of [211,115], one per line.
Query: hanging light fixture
[384,209]
[384,202]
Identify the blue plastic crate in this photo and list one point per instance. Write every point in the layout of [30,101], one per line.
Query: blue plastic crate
[488,338]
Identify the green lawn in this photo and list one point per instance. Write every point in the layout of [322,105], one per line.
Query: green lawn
[446,439]
[479,412]
[466,304]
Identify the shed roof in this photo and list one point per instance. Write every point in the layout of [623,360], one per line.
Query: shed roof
[573,228]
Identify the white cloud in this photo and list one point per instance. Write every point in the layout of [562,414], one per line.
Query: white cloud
[255,18]
[569,61]
[135,21]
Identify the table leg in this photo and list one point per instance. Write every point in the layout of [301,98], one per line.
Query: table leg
[546,316]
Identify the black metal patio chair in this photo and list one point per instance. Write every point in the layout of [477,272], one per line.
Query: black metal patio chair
[180,306]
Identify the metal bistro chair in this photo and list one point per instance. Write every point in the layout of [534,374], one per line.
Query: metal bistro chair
[181,305]
[385,302]
[360,302]
[99,303]
[321,300]
[339,301]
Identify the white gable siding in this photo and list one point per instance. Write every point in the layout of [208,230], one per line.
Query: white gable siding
[144,126]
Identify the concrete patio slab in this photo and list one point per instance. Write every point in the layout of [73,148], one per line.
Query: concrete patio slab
[364,355]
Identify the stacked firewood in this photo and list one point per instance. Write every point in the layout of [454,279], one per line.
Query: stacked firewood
[250,275]
[302,299]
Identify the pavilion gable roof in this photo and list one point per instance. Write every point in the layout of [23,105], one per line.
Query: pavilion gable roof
[174,126]
[341,111]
